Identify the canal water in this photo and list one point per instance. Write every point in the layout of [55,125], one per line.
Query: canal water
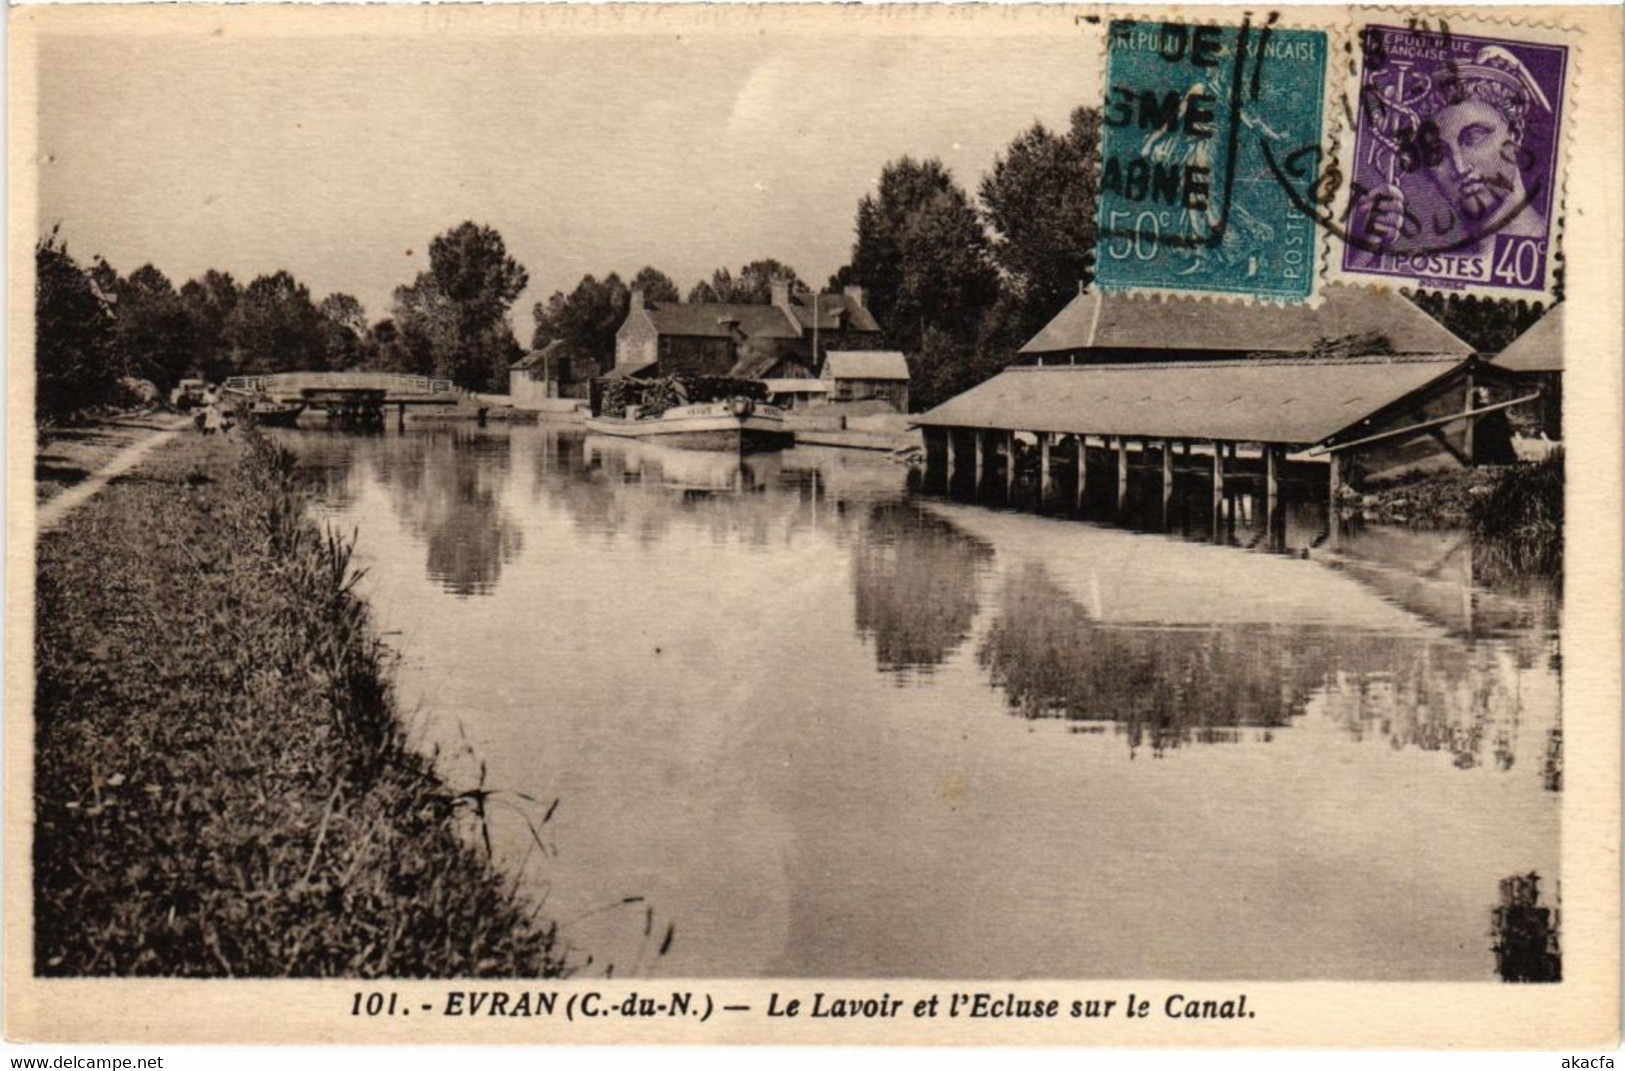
[814,722]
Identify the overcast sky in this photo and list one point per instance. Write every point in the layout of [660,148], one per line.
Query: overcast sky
[339,157]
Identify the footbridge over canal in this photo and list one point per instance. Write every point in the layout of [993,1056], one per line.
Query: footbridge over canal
[354,397]
[396,388]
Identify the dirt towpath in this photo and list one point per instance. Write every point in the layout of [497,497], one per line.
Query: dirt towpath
[52,512]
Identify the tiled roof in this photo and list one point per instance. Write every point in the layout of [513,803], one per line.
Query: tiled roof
[707,320]
[830,308]
[1275,400]
[1125,321]
[866,364]
[1539,349]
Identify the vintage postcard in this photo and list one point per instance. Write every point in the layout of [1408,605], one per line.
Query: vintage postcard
[801,524]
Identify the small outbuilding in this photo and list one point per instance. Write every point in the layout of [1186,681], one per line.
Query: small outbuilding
[1535,362]
[859,375]
[557,370]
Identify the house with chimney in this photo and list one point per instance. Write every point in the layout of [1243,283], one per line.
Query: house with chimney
[785,339]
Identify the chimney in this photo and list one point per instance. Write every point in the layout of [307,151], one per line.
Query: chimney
[855,292]
[637,298]
[781,293]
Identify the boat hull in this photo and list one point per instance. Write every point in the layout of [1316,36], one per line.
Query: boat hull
[278,417]
[736,434]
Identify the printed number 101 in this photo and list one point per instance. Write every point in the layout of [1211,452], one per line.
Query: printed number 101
[375,1004]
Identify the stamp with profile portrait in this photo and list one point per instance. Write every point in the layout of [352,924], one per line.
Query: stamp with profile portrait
[1456,178]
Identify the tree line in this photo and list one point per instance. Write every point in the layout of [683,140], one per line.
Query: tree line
[957,283]
[98,330]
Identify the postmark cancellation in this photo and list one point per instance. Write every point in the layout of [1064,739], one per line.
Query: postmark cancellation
[1214,136]
[1254,158]
[1456,159]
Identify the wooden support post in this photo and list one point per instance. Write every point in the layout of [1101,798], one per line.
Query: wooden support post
[400,417]
[1167,476]
[1043,467]
[1122,470]
[980,457]
[1083,467]
[1009,463]
[948,460]
[1271,482]
[1334,489]
[1467,433]
[1218,479]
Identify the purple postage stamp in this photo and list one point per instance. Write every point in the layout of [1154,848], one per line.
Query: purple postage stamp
[1456,177]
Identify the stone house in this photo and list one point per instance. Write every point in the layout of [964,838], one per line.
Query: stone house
[785,339]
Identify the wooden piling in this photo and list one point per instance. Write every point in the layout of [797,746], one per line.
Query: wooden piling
[948,458]
[1122,471]
[1167,476]
[1272,488]
[1009,463]
[1044,480]
[1083,467]
[980,447]
[1218,472]
[1467,432]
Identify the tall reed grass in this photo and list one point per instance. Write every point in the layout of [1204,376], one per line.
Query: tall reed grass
[222,784]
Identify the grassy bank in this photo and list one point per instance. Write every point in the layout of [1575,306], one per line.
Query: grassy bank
[1516,511]
[65,455]
[221,784]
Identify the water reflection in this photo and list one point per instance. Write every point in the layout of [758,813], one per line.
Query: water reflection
[446,487]
[1526,932]
[914,583]
[1160,686]
[775,699]
[1169,659]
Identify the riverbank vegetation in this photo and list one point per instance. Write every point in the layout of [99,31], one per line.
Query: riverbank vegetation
[99,331]
[222,786]
[1514,511]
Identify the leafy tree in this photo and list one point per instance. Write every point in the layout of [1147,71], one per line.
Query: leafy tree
[945,365]
[1040,202]
[151,333]
[425,324]
[588,317]
[344,325]
[921,255]
[702,293]
[753,285]
[454,316]
[656,285]
[381,349]
[1489,325]
[208,303]
[275,327]
[74,360]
